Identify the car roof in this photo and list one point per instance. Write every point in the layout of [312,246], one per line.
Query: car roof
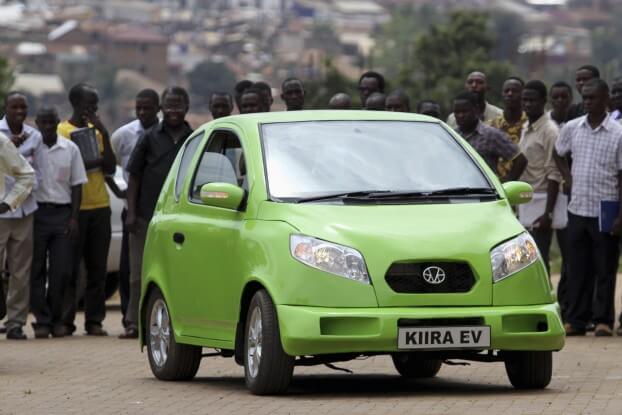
[321,115]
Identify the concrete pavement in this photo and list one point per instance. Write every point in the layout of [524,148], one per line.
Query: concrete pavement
[82,374]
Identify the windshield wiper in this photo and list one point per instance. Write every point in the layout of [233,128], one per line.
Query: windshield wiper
[454,191]
[344,195]
[390,194]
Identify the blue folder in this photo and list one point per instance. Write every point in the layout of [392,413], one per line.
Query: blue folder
[608,213]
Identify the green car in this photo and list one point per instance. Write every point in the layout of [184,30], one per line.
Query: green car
[314,237]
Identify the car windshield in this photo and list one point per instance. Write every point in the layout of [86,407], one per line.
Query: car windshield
[319,158]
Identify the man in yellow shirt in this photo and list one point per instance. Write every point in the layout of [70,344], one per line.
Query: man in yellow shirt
[512,120]
[94,219]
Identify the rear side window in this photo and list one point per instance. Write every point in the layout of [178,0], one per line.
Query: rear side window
[222,161]
[184,166]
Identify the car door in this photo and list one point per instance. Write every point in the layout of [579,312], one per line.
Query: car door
[168,254]
[211,238]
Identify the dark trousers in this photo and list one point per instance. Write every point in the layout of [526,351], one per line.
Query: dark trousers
[124,269]
[543,239]
[592,266]
[51,264]
[562,241]
[92,246]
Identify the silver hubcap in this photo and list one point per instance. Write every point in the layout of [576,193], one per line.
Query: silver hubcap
[159,333]
[253,352]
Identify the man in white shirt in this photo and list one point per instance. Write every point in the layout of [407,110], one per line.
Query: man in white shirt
[537,142]
[123,142]
[477,84]
[56,225]
[17,225]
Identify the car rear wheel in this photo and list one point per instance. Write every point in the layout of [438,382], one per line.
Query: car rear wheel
[267,368]
[168,359]
[413,365]
[529,370]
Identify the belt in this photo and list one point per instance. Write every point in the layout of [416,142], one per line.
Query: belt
[53,205]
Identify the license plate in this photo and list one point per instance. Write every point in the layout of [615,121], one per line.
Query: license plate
[432,338]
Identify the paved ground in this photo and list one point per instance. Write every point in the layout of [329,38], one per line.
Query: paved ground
[82,374]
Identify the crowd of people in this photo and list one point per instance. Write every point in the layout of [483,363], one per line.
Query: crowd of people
[55,208]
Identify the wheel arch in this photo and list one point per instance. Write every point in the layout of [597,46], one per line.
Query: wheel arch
[248,292]
[151,286]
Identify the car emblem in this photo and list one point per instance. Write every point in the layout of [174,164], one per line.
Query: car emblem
[434,275]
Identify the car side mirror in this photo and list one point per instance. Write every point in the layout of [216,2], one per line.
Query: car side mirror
[222,195]
[518,193]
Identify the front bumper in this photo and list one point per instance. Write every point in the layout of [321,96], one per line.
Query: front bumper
[318,330]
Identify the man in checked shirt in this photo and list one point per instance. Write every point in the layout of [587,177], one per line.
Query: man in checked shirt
[595,142]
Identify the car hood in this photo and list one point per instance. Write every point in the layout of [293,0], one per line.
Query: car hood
[410,233]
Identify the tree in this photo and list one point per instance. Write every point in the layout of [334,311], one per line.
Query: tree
[319,92]
[6,79]
[208,77]
[447,53]
[508,28]
[606,48]
[394,51]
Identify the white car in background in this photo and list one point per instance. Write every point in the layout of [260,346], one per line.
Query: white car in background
[116,206]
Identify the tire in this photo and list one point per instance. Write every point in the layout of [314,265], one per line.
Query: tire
[413,365]
[529,370]
[168,359]
[267,368]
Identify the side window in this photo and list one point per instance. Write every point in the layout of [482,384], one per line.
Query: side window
[222,161]
[189,150]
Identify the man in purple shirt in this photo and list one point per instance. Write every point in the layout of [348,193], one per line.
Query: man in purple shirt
[491,144]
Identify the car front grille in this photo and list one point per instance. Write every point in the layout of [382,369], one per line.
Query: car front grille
[408,278]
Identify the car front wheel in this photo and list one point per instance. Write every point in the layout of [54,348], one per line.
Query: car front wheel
[414,365]
[168,359]
[529,370]
[267,368]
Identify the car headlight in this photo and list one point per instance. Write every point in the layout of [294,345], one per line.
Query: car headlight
[329,257]
[513,256]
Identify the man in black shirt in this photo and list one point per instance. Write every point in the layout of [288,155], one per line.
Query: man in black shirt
[149,165]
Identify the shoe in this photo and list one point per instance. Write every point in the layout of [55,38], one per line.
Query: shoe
[130,333]
[95,330]
[41,332]
[58,331]
[2,329]
[603,330]
[619,331]
[15,333]
[590,326]
[573,331]
[69,329]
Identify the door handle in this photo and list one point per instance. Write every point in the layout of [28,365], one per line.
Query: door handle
[179,238]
